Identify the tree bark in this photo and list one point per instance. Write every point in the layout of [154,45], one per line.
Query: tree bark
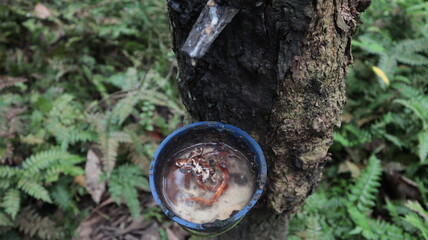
[276,71]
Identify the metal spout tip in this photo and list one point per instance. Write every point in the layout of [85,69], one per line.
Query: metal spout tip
[211,22]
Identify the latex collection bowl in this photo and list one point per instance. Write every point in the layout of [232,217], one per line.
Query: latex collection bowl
[202,132]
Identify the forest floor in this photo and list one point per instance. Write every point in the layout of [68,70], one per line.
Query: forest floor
[88,91]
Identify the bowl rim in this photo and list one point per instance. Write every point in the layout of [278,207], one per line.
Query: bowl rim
[261,179]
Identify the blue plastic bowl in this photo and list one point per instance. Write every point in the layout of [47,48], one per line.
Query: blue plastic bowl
[202,132]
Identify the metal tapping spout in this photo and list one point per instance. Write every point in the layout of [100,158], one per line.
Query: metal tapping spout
[211,22]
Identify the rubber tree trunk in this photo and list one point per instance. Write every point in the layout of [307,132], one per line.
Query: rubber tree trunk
[276,71]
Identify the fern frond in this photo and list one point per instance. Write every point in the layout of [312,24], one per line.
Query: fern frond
[352,136]
[417,208]
[4,220]
[418,223]
[123,183]
[412,59]
[161,99]
[369,45]
[363,192]
[418,108]
[34,189]
[121,137]
[7,172]
[109,146]
[361,221]
[387,231]
[62,197]
[388,64]
[423,145]
[315,229]
[7,81]
[123,108]
[42,160]
[125,81]
[392,211]
[54,172]
[410,92]
[77,135]
[412,46]
[5,183]
[32,224]
[11,202]
[130,195]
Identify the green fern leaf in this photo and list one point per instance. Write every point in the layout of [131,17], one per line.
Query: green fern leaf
[423,145]
[121,137]
[34,189]
[109,146]
[418,108]
[52,174]
[62,197]
[124,107]
[130,195]
[387,231]
[418,223]
[11,202]
[412,46]
[4,220]
[123,184]
[417,208]
[32,224]
[369,45]
[7,172]
[388,64]
[363,192]
[42,160]
[5,183]
[392,211]
[412,59]
[362,222]
[315,229]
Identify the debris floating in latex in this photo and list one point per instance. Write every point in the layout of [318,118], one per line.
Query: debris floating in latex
[211,22]
[208,181]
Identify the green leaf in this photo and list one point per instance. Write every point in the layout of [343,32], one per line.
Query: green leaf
[42,160]
[416,207]
[369,45]
[34,189]
[412,59]
[11,202]
[423,145]
[412,45]
[363,192]
[123,184]
[417,222]
[418,108]
[4,220]
[7,172]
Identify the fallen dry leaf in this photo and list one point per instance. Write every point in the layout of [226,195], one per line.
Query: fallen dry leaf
[80,179]
[41,11]
[93,171]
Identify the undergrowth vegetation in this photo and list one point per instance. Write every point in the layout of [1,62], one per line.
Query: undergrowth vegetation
[87,92]
[376,185]
[82,84]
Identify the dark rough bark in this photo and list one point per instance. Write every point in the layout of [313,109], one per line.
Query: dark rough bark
[276,71]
